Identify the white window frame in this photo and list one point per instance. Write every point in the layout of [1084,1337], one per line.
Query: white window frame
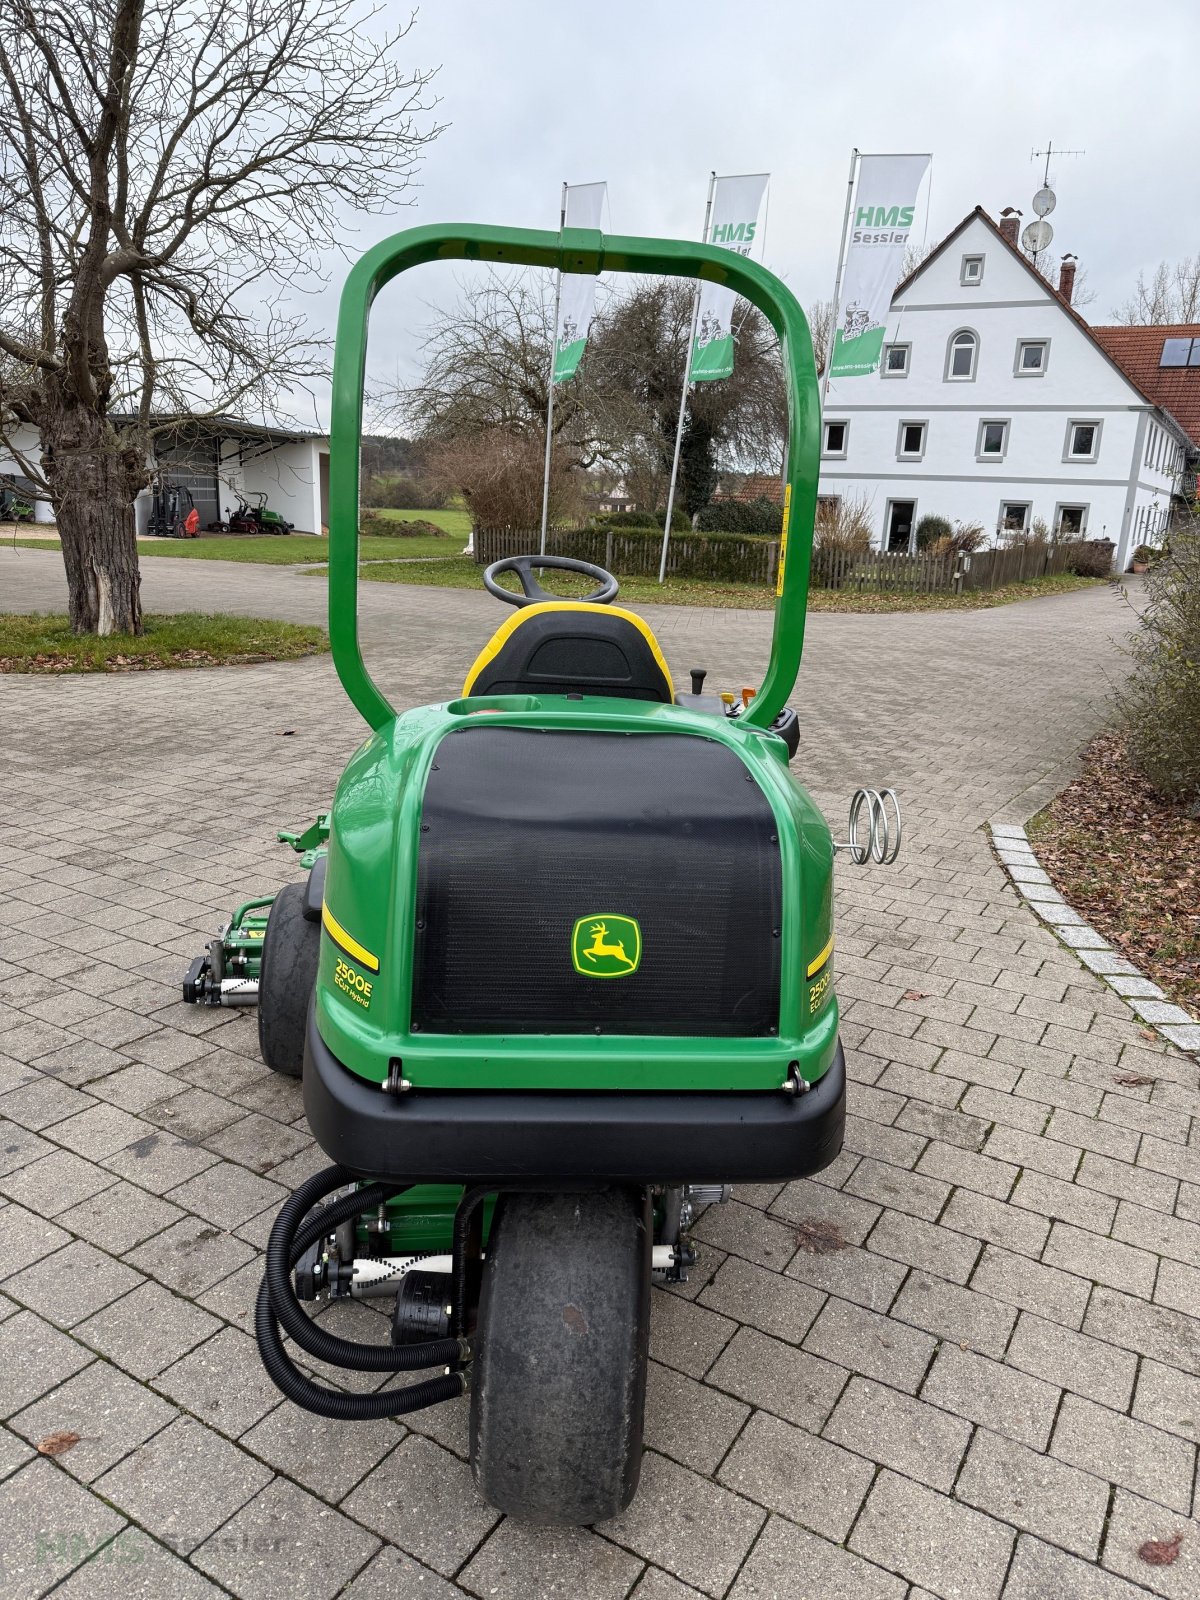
[965,277]
[839,422]
[912,455]
[993,422]
[1070,456]
[1025,505]
[1020,371]
[1070,505]
[902,500]
[950,376]
[899,372]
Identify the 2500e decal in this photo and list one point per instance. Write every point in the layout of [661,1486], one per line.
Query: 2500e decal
[352,983]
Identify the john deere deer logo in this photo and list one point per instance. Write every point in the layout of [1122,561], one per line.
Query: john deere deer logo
[607,946]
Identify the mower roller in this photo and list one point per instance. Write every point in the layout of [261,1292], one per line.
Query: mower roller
[561,971]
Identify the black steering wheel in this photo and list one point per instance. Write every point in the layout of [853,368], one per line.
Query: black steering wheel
[532,592]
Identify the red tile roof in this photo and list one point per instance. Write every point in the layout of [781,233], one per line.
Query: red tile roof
[750,486]
[1137,351]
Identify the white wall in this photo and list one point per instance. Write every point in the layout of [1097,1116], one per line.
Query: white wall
[289,476]
[1079,383]
[26,441]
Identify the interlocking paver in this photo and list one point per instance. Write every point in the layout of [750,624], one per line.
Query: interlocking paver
[805,1478]
[1007,1065]
[51,1526]
[1010,1402]
[1157,1465]
[791,1561]
[285,1542]
[183,1484]
[109,1411]
[774,1377]
[1034,1492]
[517,1559]
[958,1552]
[422,1498]
[897,1431]
[1135,1523]
[1040,1572]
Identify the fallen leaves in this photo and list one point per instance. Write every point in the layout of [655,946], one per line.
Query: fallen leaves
[1129,862]
[57,1444]
[1161,1552]
[1134,1080]
[1149,1033]
[820,1238]
[914,994]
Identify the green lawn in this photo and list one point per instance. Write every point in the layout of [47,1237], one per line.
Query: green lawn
[283,550]
[462,573]
[45,643]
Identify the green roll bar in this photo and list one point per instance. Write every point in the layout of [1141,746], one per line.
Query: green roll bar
[574,250]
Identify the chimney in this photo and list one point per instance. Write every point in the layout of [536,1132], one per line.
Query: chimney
[1066,279]
[1010,225]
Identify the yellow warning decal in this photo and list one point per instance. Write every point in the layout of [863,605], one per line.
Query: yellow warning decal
[815,965]
[346,942]
[783,537]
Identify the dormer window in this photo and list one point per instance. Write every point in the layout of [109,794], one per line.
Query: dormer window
[972,271]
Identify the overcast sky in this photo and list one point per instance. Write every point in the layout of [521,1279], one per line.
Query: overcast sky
[651,95]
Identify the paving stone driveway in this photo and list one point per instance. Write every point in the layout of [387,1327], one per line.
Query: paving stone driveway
[964,1362]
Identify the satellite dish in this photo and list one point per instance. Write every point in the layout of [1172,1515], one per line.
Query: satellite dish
[1044,202]
[1037,236]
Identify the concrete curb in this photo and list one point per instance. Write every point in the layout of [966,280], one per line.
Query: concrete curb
[1144,998]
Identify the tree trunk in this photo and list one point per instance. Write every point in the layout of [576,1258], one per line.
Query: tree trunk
[93,479]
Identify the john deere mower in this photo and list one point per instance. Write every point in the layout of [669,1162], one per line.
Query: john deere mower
[561,972]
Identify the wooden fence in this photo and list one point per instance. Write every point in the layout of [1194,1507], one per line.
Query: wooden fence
[733,558]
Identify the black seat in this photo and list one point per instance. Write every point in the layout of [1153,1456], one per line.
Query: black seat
[566,647]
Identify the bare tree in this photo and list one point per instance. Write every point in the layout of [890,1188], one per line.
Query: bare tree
[1171,295]
[820,325]
[168,168]
[487,362]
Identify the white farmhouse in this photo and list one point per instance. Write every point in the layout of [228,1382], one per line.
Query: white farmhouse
[996,404]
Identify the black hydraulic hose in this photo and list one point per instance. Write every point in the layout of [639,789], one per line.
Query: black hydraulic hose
[284,1249]
[277,1304]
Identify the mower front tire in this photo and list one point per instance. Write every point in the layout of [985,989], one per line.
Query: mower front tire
[291,948]
[559,1384]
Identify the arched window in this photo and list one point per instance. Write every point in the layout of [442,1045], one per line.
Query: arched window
[961,355]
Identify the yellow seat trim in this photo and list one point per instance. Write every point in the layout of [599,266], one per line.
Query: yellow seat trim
[346,942]
[506,630]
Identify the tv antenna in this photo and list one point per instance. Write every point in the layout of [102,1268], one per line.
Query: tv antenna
[1038,234]
[1036,155]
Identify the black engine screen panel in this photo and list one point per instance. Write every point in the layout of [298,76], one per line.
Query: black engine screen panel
[525,832]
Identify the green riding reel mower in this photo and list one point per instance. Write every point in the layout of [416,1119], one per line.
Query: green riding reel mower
[561,973]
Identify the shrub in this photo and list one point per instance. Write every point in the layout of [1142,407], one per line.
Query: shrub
[930,529]
[499,475]
[962,540]
[1160,703]
[403,491]
[645,519]
[1143,555]
[741,516]
[1091,558]
[843,527]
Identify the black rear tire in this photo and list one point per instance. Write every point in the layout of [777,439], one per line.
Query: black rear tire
[289,975]
[559,1384]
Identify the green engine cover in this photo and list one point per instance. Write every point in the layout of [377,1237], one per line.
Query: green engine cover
[575,991]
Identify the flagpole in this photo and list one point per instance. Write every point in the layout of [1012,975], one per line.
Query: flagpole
[562,222]
[687,369]
[837,287]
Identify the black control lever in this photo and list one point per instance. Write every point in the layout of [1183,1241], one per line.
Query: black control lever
[698,675]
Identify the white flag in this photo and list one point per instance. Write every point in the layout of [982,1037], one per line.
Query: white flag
[733,223]
[577,292]
[885,201]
